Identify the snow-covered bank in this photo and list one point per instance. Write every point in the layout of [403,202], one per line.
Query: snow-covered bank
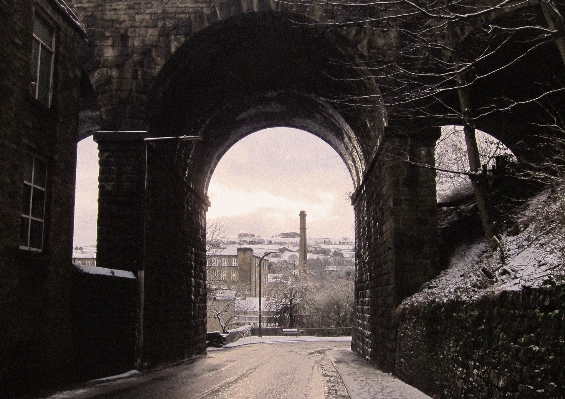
[534,247]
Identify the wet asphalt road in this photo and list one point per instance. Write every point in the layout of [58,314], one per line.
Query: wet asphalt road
[260,368]
[273,370]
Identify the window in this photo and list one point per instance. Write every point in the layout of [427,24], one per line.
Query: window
[234,262]
[42,60]
[214,261]
[211,275]
[224,275]
[234,275]
[33,212]
[225,262]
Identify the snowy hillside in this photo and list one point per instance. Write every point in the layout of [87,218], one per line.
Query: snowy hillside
[534,256]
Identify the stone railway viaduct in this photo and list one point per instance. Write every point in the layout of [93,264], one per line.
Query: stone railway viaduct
[221,70]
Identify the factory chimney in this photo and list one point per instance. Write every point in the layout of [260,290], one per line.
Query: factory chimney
[302,243]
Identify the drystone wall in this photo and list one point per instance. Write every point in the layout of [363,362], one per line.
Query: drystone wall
[508,345]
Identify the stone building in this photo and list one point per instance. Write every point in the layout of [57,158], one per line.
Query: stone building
[41,43]
[236,271]
[84,256]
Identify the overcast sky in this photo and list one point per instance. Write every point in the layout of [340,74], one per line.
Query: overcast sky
[259,187]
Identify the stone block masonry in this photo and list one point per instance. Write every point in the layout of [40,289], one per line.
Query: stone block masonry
[174,322]
[121,199]
[505,345]
[36,341]
[396,250]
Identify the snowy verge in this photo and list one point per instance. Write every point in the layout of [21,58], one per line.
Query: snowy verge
[534,250]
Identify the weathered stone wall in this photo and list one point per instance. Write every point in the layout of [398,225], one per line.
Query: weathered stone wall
[506,345]
[174,321]
[121,198]
[35,338]
[396,247]
[131,40]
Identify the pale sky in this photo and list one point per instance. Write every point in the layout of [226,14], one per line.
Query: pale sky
[260,186]
[86,195]
[265,180]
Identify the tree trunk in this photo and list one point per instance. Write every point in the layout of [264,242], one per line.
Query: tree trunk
[479,180]
[555,22]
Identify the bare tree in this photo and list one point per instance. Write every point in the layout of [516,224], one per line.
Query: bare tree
[214,238]
[288,303]
[421,53]
[332,304]
[223,312]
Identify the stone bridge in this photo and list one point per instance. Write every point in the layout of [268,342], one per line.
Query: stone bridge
[221,70]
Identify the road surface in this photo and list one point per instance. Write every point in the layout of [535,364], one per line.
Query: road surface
[298,368]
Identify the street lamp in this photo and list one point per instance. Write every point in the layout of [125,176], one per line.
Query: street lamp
[260,281]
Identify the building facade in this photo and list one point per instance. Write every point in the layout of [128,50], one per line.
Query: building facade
[236,271]
[41,44]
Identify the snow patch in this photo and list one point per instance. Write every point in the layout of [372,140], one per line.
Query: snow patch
[534,257]
[127,374]
[105,272]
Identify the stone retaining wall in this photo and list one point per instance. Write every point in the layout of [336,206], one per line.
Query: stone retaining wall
[506,345]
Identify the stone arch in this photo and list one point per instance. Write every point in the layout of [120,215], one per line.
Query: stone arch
[232,72]
[235,77]
[513,88]
[286,109]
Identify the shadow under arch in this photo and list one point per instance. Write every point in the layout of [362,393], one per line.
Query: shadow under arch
[292,110]
[263,70]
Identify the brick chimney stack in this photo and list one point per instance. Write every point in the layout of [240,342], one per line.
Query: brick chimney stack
[302,249]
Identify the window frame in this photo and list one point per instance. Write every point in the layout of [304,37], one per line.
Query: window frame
[35,59]
[30,203]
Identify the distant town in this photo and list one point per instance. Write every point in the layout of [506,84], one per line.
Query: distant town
[298,290]
[287,243]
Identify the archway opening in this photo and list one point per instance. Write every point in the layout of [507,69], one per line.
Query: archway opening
[257,191]
[452,161]
[86,203]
